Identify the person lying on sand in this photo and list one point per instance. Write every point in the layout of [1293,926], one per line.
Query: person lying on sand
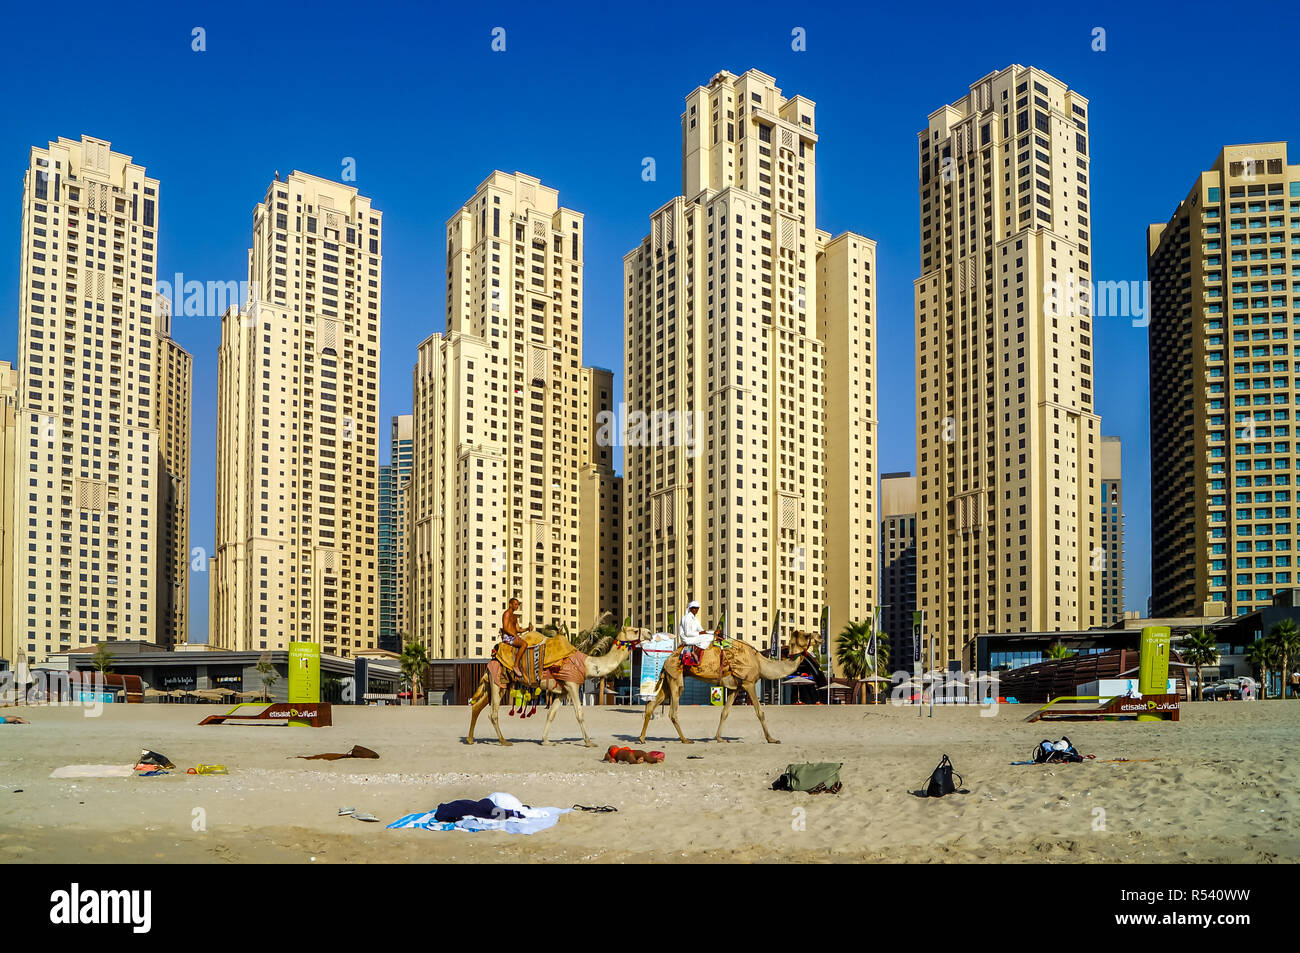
[632,755]
[13,720]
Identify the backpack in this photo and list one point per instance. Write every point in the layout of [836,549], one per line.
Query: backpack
[816,778]
[941,782]
[1046,752]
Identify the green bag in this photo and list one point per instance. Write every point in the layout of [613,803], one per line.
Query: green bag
[821,777]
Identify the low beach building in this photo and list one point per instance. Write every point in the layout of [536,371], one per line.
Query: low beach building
[194,667]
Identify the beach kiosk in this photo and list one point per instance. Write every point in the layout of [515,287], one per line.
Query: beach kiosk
[304,709]
[1154,701]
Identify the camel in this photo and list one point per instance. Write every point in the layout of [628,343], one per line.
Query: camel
[597,667]
[747,667]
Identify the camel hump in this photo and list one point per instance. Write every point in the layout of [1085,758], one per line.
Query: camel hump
[558,648]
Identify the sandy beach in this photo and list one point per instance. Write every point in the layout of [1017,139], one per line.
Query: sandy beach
[1222,788]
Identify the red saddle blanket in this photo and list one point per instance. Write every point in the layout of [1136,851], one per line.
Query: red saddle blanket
[572,668]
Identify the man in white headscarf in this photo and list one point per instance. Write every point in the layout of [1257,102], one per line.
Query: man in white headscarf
[694,639]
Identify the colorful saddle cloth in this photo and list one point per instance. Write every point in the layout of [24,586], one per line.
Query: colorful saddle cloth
[537,656]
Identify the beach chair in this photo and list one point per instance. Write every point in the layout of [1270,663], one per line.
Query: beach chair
[294,713]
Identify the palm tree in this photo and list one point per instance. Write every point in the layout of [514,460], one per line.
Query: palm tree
[1286,643]
[1262,654]
[1197,650]
[266,668]
[102,660]
[598,640]
[415,664]
[856,656]
[851,648]
[1059,651]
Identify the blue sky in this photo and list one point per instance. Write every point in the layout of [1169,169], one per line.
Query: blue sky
[581,94]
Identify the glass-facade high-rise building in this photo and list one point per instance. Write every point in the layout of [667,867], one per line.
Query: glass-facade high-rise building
[1224,344]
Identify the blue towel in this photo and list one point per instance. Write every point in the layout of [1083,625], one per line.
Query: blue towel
[425,820]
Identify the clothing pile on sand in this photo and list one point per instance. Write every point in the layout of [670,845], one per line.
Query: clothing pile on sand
[496,812]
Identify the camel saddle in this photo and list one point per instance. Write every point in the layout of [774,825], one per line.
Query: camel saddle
[715,661]
[539,654]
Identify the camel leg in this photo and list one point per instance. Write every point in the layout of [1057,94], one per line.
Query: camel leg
[751,689]
[651,705]
[478,708]
[495,712]
[571,691]
[674,691]
[552,706]
[726,710]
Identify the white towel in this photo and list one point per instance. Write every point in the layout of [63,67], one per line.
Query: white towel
[94,771]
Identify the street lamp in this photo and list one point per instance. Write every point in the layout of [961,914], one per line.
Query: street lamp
[875,643]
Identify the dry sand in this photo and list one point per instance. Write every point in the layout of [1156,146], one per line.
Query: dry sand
[1223,788]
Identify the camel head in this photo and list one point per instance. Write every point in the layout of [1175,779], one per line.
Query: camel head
[634,634]
[801,642]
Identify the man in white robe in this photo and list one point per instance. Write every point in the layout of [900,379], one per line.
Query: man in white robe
[694,638]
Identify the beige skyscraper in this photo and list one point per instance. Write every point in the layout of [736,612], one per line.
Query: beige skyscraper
[174,412]
[103,409]
[1007,439]
[10,467]
[1225,319]
[749,382]
[496,448]
[297,431]
[600,505]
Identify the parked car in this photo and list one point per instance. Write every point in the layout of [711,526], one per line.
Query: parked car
[1232,689]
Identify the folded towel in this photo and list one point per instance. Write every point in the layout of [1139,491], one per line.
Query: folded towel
[94,771]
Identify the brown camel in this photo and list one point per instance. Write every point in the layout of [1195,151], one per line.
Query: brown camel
[747,667]
[597,667]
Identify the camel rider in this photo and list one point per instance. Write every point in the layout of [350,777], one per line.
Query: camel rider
[694,639]
[512,632]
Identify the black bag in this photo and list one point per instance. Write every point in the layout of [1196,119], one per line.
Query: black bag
[940,782]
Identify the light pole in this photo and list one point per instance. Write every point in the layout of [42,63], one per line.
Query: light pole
[875,643]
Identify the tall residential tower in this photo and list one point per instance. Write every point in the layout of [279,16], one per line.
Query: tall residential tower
[297,430]
[750,365]
[600,505]
[1225,383]
[101,551]
[497,425]
[1008,486]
